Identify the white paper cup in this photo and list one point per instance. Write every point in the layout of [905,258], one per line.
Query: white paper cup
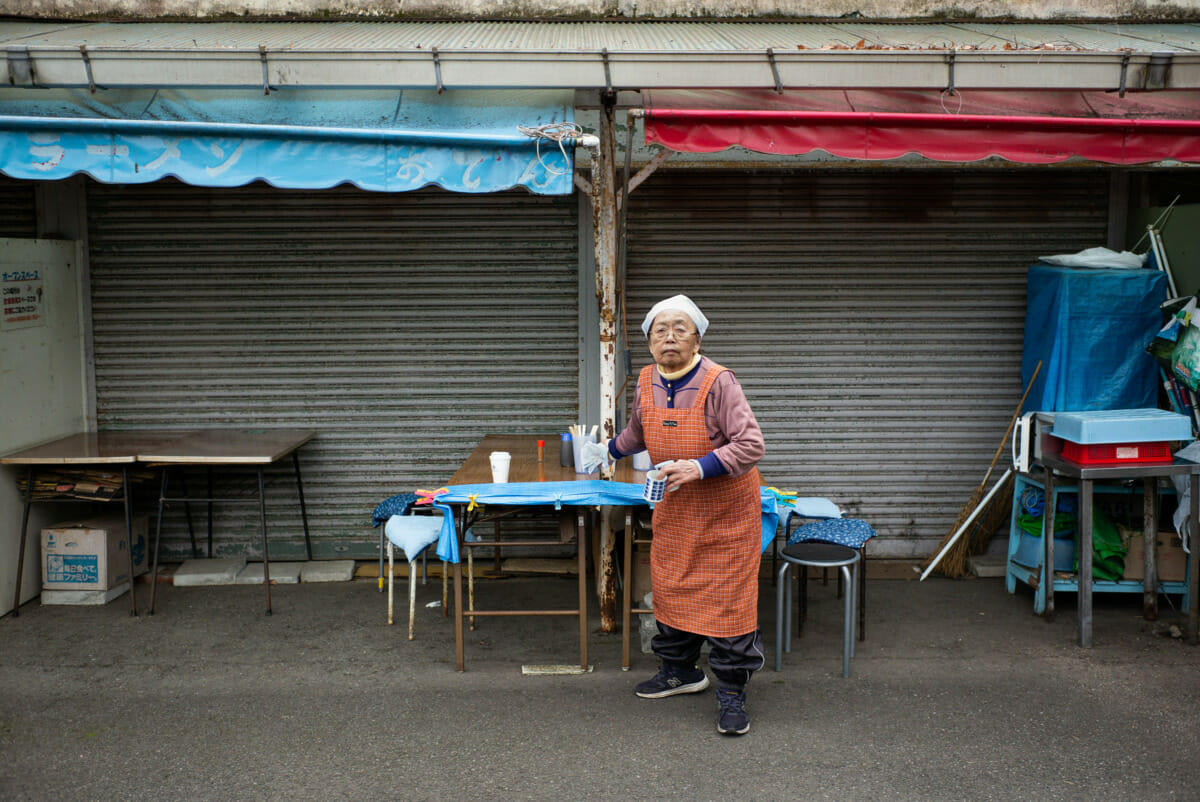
[500,462]
[655,487]
[577,444]
[641,461]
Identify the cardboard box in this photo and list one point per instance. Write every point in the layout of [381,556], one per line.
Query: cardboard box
[1171,558]
[92,554]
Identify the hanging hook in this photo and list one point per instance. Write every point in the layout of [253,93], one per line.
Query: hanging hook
[262,56]
[1124,72]
[775,70]
[950,67]
[437,69]
[87,66]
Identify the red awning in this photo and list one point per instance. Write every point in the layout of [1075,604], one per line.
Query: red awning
[1029,127]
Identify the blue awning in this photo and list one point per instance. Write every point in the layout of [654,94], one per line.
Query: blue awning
[379,140]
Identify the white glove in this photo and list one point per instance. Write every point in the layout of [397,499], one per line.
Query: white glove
[593,455]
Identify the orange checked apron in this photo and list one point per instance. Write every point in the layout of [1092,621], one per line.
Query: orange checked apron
[706,549]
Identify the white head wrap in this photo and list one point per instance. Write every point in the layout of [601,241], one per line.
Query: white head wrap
[680,303]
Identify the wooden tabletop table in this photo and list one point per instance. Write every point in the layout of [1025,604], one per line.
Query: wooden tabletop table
[525,467]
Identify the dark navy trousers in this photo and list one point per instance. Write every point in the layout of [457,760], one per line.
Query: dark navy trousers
[732,660]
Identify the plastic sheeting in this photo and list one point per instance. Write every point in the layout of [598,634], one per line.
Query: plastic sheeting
[1028,127]
[1090,327]
[385,141]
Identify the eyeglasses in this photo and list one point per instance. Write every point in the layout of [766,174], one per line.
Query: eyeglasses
[680,332]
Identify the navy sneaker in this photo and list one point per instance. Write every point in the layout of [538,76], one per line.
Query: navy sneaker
[671,680]
[731,712]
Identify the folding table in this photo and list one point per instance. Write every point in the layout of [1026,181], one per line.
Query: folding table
[544,486]
[229,448]
[113,450]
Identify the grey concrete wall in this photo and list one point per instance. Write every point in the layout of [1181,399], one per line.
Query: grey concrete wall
[543,9]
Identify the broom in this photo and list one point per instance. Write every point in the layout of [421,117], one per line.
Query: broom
[957,549]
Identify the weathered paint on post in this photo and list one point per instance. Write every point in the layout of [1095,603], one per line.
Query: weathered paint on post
[604,227]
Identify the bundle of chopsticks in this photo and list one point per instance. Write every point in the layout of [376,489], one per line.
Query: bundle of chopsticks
[579,431]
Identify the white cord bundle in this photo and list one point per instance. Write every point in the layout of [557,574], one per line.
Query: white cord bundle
[556,132]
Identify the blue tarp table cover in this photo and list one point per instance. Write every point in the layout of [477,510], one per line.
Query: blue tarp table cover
[378,140]
[1090,327]
[587,492]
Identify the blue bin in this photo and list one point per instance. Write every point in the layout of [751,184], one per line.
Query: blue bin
[1029,552]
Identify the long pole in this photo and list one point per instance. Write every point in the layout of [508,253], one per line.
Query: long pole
[970,518]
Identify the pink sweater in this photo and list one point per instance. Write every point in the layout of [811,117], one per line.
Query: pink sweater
[736,439]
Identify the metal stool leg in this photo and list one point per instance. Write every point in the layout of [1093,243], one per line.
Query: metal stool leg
[390,579]
[781,583]
[848,622]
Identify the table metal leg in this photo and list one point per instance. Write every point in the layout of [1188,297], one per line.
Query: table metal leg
[1048,510]
[209,476]
[1085,563]
[1150,543]
[581,522]
[128,506]
[459,662]
[262,513]
[16,609]
[627,591]
[187,512]
[303,509]
[162,495]
[1193,623]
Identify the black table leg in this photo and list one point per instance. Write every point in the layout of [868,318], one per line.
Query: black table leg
[16,611]
[162,496]
[1193,623]
[1085,563]
[262,511]
[1150,541]
[187,509]
[1048,506]
[209,473]
[128,505]
[303,511]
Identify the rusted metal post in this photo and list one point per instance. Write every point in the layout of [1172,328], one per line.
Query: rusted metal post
[604,228]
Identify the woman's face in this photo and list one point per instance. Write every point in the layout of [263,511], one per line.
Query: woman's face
[673,340]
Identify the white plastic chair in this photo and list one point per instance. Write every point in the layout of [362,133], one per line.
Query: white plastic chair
[413,533]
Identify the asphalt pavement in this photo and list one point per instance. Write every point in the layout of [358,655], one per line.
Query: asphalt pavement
[957,692]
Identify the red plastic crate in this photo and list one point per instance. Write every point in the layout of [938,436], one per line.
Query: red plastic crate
[1116,453]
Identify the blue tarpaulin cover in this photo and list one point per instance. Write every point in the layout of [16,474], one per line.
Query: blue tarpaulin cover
[378,140]
[581,493]
[1090,327]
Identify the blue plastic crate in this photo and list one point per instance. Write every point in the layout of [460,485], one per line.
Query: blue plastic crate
[1121,426]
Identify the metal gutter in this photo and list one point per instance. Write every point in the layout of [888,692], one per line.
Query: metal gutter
[473,55]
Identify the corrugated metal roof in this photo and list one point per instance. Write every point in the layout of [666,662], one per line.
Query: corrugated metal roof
[627,36]
[569,55]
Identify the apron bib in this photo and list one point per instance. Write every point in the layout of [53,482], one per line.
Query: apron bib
[706,549]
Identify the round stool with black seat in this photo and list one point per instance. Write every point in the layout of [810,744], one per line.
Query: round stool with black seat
[815,554]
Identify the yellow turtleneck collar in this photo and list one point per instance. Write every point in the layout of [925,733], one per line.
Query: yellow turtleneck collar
[679,374]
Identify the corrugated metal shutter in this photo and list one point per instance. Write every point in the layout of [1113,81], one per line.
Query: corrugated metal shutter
[401,327]
[17,211]
[874,317]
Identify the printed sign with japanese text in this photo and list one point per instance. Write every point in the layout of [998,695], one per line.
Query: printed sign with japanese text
[22,298]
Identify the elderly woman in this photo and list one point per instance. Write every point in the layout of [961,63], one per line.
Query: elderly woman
[691,412]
